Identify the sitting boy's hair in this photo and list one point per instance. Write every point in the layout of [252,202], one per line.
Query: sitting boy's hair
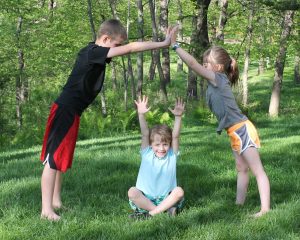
[113,28]
[163,130]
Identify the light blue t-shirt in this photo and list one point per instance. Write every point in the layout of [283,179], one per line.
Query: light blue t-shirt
[157,176]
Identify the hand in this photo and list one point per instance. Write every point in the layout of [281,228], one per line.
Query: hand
[173,34]
[179,107]
[168,36]
[141,104]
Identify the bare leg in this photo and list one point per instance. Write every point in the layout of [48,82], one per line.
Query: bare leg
[138,198]
[175,196]
[242,178]
[251,156]
[56,201]
[47,184]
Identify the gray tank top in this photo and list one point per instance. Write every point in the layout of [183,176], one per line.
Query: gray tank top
[222,103]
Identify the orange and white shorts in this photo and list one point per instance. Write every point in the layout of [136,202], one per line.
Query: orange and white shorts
[242,136]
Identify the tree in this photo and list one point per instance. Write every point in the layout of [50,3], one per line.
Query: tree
[247,54]
[222,21]
[156,55]
[199,42]
[279,64]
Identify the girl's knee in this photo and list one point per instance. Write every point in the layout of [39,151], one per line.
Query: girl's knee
[241,168]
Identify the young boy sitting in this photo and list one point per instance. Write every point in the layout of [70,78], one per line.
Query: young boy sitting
[156,188]
[82,87]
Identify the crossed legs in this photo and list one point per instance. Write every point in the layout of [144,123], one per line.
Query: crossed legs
[138,198]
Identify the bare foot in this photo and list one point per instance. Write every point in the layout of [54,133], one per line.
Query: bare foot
[259,214]
[52,216]
[57,205]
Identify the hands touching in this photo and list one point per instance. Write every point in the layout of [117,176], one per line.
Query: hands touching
[171,35]
[179,108]
[141,104]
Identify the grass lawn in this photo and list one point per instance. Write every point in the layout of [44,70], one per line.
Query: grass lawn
[95,190]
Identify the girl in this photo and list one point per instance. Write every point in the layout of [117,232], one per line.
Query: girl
[221,72]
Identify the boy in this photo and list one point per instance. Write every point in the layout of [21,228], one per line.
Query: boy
[82,87]
[156,187]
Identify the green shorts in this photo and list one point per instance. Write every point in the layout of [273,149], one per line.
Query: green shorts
[156,201]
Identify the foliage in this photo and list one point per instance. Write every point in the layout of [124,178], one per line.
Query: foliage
[50,40]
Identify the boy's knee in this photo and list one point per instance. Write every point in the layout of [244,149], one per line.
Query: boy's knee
[178,191]
[133,192]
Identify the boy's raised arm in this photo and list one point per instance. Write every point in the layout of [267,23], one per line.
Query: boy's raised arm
[177,112]
[142,108]
[141,46]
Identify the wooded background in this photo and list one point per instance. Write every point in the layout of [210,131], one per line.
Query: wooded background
[41,38]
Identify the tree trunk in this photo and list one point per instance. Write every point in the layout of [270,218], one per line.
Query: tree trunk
[222,21]
[140,55]
[163,26]
[156,55]
[247,55]
[21,84]
[91,20]
[279,64]
[129,65]
[199,43]
[261,46]
[180,35]
[296,70]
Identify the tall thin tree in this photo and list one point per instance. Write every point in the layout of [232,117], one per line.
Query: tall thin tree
[280,62]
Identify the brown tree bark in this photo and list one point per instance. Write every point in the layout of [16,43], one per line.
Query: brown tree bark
[247,55]
[156,55]
[222,21]
[140,56]
[180,34]
[163,26]
[296,69]
[21,82]
[279,64]
[199,43]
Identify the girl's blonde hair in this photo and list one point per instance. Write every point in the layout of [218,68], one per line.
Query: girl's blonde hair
[164,131]
[113,28]
[218,55]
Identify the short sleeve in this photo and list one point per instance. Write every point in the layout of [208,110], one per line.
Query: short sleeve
[221,80]
[98,54]
[145,150]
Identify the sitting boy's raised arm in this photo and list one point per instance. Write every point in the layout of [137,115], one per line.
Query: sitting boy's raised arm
[142,108]
[177,112]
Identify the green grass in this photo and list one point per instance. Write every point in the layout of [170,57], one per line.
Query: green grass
[95,189]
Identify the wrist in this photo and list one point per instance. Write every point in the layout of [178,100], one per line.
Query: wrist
[175,46]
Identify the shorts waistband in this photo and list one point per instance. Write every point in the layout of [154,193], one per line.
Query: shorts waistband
[236,126]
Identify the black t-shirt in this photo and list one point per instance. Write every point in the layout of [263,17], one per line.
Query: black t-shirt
[86,78]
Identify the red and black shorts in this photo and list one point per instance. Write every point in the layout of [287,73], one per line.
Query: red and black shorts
[60,138]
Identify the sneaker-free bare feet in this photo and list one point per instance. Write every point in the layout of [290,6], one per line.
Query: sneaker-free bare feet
[57,205]
[259,214]
[50,216]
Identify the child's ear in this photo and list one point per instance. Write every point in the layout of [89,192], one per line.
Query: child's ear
[105,39]
[220,67]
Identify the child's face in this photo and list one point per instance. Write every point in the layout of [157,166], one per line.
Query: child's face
[159,147]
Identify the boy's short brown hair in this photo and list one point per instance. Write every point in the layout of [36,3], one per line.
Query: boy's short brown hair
[164,131]
[113,28]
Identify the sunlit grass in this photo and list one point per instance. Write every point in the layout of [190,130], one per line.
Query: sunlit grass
[95,189]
